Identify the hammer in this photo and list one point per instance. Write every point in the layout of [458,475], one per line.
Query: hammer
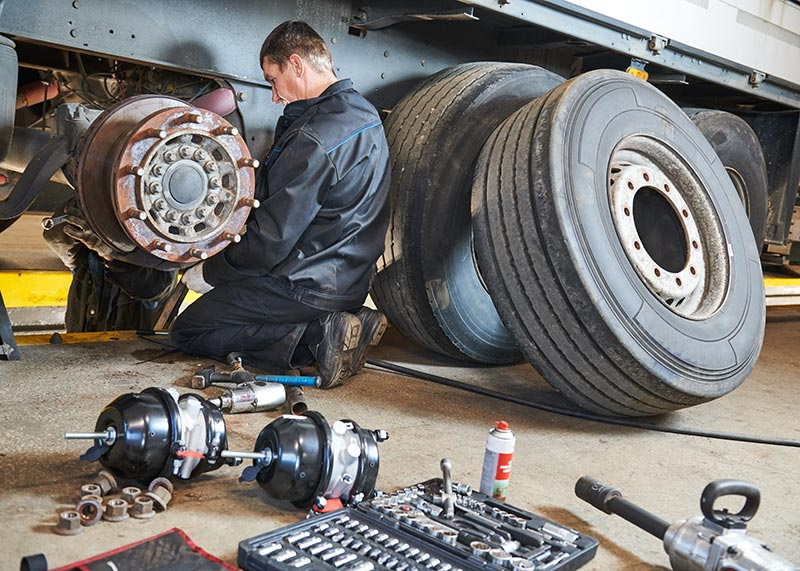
[207,376]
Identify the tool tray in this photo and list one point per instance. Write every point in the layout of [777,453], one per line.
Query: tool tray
[406,531]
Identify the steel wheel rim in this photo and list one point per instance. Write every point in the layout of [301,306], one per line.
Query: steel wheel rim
[668,227]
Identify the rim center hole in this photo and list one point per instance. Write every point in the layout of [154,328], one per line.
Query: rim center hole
[660,228]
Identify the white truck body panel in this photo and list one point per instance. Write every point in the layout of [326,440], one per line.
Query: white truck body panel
[761,34]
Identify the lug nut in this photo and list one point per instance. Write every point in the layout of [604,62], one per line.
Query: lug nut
[200,155]
[228,196]
[106,481]
[143,508]
[248,162]
[135,213]
[186,218]
[212,199]
[170,157]
[130,493]
[160,204]
[90,510]
[160,489]
[116,510]
[90,490]
[201,212]
[185,151]
[210,166]
[214,182]
[226,130]
[171,216]
[69,523]
[154,188]
[158,169]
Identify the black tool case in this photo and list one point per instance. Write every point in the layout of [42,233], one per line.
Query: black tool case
[407,531]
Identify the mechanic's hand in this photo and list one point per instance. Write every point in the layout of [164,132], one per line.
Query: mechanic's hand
[77,228]
[193,278]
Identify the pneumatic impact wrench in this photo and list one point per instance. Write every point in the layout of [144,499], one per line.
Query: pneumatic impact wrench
[716,541]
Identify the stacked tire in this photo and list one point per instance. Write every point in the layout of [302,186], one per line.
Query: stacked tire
[604,232]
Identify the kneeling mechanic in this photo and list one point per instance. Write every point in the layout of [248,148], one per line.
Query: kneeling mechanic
[291,292]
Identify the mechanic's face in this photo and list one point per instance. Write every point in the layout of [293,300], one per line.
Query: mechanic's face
[286,83]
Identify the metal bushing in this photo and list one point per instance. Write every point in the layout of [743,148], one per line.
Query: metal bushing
[90,510]
[107,483]
[181,179]
[130,493]
[143,508]
[116,510]
[69,523]
[91,490]
[160,491]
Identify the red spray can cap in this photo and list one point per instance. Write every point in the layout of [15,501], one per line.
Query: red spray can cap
[502,425]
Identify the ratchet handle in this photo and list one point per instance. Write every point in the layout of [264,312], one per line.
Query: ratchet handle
[720,488]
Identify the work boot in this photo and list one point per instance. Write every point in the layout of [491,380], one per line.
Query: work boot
[373,326]
[341,332]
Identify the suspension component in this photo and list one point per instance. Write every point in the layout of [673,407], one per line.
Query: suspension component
[302,458]
[152,171]
[157,433]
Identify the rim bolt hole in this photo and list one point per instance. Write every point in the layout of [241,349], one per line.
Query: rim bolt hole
[630,185]
[685,213]
[678,281]
[693,271]
[638,246]
[658,273]
[666,187]
[694,244]
[627,211]
[646,177]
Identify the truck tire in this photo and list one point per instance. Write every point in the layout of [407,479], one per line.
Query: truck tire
[740,152]
[428,284]
[632,297]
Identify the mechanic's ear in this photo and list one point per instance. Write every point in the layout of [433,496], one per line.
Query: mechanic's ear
[297,63]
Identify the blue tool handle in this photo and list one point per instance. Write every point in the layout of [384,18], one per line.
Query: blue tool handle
[291,381]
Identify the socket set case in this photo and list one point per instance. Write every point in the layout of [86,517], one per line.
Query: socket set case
[406,531]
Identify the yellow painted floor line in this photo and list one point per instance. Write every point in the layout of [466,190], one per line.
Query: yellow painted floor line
[72,338]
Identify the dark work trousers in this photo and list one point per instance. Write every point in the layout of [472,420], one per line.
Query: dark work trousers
[262,317]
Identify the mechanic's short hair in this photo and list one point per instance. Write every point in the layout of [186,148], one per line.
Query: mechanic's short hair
[296,37]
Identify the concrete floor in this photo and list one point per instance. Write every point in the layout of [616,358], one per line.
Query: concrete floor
[58,388]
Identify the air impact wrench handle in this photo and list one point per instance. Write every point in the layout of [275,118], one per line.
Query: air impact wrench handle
[610,500]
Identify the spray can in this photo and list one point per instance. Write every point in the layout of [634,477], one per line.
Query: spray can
[497,461]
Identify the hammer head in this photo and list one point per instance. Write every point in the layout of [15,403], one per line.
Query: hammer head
[202,378]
